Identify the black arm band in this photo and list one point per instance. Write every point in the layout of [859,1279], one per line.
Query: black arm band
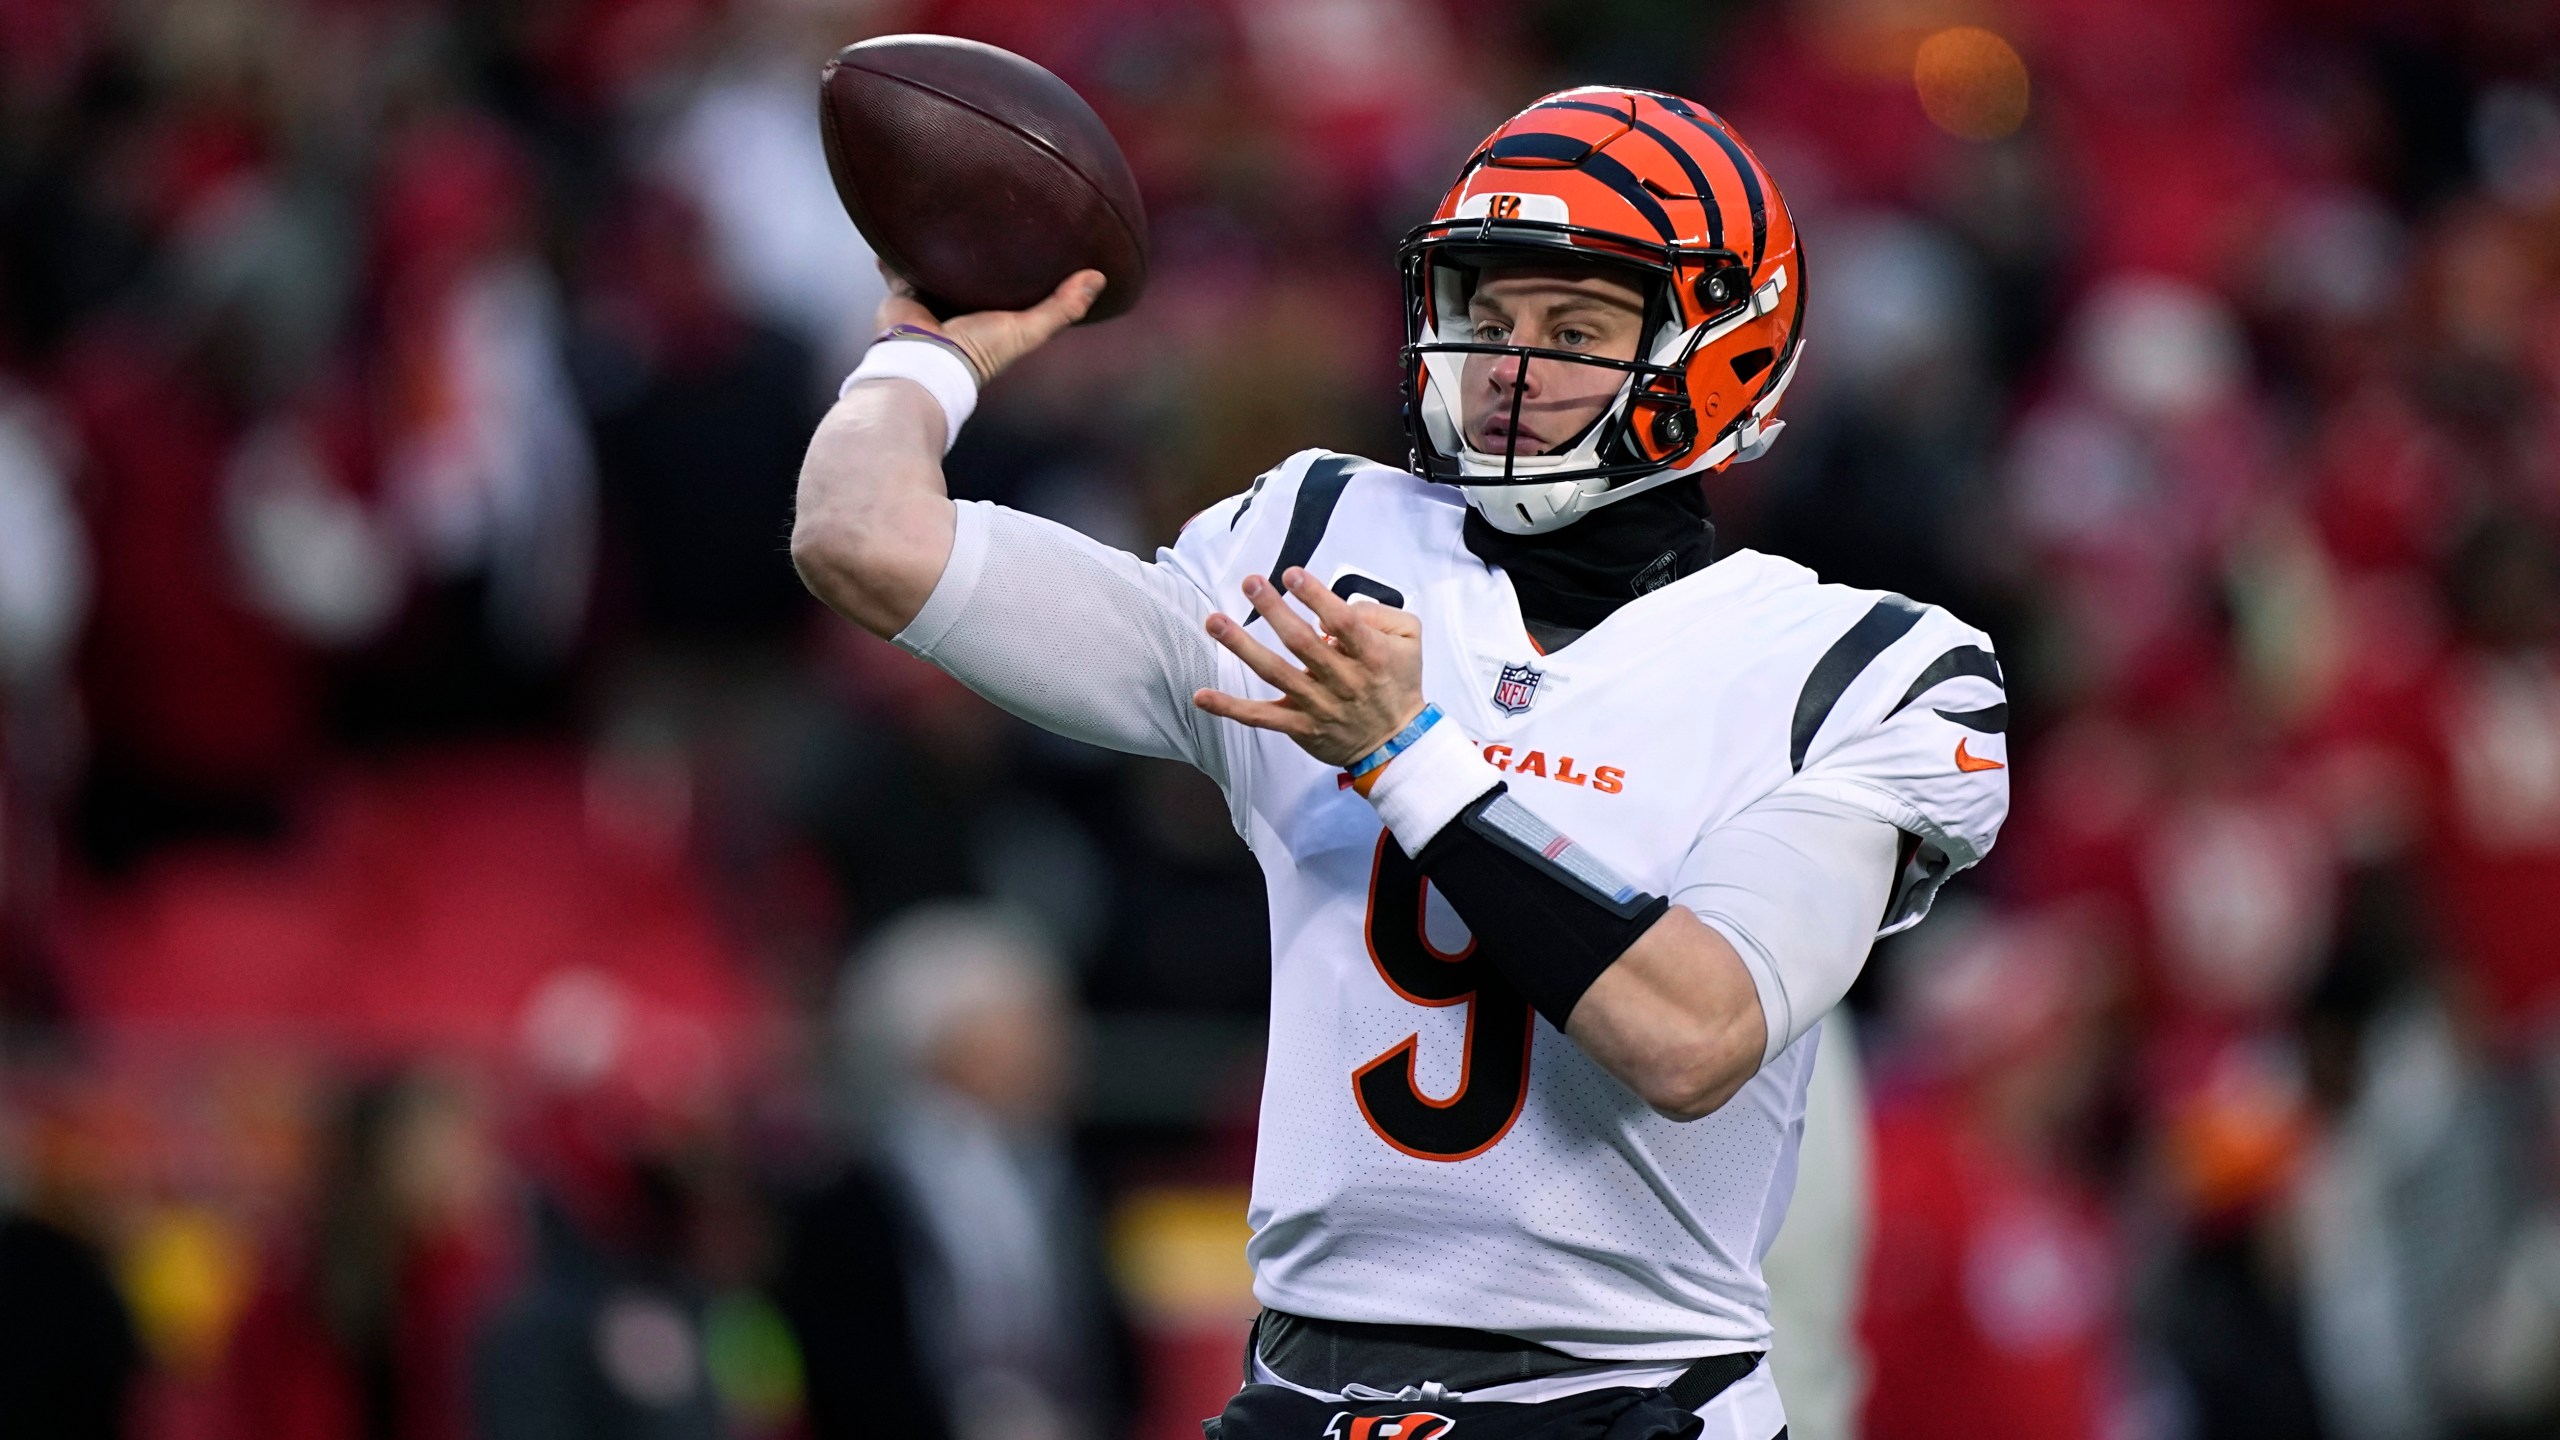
[1548,914]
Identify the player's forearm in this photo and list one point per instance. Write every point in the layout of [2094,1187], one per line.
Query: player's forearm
[1661,1001]
[872,527]
[1675,1018]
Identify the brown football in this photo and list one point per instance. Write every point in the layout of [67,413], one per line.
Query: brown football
[981,178]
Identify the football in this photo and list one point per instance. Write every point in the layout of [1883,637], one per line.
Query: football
[978,176]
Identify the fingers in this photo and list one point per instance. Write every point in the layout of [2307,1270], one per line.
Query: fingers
[1303,640]
[1065,306]
[1260,714]
[1388,620]
[1282,676]
[1333,612]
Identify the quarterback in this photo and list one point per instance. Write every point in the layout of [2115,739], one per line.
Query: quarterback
[1573,828]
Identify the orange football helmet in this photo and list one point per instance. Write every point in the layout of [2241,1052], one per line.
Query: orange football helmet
[1633,179]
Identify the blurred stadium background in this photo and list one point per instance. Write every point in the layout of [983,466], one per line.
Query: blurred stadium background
[434,824]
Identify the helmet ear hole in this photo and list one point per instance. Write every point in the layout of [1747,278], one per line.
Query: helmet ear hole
[1751,362]
[1719,288]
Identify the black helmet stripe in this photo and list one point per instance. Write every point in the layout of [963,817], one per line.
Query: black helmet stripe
[1698,185]
[1741,164]
[1539,145]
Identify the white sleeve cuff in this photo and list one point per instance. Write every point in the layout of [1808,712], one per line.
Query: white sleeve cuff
[1797,883]
[945,376]
[1776,1015]
[1425,787]
[971,520]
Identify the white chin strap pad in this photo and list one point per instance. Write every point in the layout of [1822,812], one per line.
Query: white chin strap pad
[1529,509]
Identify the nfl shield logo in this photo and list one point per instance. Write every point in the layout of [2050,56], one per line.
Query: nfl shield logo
[1517,688]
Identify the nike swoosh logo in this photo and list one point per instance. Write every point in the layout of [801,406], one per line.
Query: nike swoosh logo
[1970,763]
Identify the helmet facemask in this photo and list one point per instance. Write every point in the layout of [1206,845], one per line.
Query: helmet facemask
[1643,437]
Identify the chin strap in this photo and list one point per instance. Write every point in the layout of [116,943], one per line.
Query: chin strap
[1754,440]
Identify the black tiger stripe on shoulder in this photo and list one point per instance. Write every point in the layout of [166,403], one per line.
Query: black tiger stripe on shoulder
[1962,660]
[1319,491]
[1888,620]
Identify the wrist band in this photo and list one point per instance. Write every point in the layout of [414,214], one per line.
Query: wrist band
[903,331]
[939,368]
[1431,780]
[1361,772]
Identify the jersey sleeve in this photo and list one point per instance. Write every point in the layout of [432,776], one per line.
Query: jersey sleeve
[1897,749]
[1074,636]
[1094,643]
[1906,718]
[1794,883]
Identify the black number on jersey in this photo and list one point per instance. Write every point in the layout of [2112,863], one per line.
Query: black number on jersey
[1493,1079]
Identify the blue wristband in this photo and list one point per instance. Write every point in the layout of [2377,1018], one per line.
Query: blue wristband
[1396,745]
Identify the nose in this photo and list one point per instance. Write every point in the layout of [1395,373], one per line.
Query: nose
[1517,373]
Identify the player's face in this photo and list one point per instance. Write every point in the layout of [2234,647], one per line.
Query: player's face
[1583,311]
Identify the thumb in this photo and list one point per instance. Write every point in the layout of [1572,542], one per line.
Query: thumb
[1066,305]
[997,338]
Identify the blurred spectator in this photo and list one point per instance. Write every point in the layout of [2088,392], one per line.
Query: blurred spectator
[701,415]
[637,1286]
[745,151]
[2494,854]
[68,1356]
[44,599]
[1992,1291]
[949,1283]
[364,1331]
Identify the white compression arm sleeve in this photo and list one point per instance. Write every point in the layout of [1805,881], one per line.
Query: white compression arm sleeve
[1074,636]
[1798,882]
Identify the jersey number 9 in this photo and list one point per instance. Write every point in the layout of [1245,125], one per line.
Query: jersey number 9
[1493,1079]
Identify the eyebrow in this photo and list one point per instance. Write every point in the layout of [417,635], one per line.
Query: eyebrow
[1580,303]
[1568,306]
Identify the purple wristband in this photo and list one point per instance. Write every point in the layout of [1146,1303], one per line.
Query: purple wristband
[904,331]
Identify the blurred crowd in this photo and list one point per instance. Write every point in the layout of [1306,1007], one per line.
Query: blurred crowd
[434,822]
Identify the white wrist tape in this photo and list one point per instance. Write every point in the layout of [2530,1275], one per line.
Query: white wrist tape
[945,376]
[1425,787]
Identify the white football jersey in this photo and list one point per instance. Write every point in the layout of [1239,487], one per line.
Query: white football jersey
[1428,1156]
[1424,1163]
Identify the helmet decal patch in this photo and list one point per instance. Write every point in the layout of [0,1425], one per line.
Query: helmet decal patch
[1515,205]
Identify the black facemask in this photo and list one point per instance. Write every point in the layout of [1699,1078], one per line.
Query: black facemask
[1571,579]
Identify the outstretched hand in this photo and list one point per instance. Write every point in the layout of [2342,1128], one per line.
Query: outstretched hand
[994,339]
[1362,680]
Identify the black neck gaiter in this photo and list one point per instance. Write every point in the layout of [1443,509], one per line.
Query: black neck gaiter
[1571,579]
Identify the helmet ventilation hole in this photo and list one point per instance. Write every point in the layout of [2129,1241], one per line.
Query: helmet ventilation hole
[1752,362]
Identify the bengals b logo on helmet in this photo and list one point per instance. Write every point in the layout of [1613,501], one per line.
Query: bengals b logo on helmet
[1418,1425]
